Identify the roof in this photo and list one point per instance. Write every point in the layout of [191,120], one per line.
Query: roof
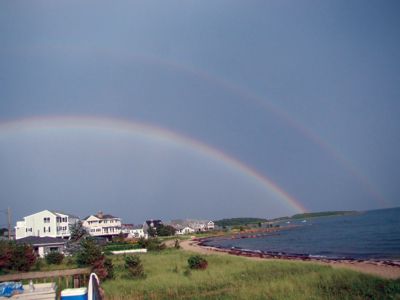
[102,217]
[127,226]
[65,214]
[37,240]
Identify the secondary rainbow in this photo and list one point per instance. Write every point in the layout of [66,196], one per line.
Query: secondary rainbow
[245,94]
[152,132]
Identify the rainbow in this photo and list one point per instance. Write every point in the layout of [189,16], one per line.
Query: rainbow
[159,134]
[244,94]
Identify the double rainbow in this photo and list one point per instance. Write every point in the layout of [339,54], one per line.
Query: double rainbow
[151,132]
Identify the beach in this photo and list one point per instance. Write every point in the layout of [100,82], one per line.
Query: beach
[379,268]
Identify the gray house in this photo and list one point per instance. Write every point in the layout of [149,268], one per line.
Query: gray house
[44,245]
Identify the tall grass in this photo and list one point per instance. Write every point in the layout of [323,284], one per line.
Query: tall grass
[237,278]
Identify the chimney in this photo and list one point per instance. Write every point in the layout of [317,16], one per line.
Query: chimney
[100,214]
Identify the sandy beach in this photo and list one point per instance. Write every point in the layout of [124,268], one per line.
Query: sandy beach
[370,267]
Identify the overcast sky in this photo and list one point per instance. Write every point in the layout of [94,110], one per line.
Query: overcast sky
[305,93]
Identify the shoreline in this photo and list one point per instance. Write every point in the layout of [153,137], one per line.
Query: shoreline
[388,269]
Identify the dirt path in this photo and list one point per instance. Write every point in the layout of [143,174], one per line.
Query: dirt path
[385,271]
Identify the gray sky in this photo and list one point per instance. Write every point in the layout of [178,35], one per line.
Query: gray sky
[306,93]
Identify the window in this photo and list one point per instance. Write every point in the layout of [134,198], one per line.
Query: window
[44,229]
[46,220]
[49,228]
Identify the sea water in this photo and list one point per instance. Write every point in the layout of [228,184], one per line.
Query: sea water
[366,235]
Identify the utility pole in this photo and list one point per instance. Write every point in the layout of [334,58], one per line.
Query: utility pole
[9,223]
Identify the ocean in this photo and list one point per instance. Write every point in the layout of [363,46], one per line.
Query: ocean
[372,234]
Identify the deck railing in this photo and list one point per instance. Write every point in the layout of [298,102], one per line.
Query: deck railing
[62,278]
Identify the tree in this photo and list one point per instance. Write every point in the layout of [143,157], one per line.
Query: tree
[91,254]
[5,255]
[134,266]
[165,230]
[151,231]
[77,231]
[16,256]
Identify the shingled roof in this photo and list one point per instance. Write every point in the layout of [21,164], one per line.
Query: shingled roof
[37,240]
[101,216]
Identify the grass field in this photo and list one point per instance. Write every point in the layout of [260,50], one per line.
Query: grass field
[167,277]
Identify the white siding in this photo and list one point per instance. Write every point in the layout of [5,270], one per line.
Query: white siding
[44,223]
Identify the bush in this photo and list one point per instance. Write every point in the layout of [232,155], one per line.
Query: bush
[134,266]
[38,264]
[118,247]
[5,255]
[16,257]
[54,258]
[152,244]
[109,267]
[89,253]
[100,268]
[197,262]
[165,230]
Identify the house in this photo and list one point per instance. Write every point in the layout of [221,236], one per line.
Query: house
[45,223]
[210,225]
[183,230]
[134,231]
[44,245]
[191,226]
[151,224]
[103,225]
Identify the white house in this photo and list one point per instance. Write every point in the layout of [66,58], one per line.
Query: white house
[134,231]
[191,226]
[184,230]
[210,225]
[45,223]
[102,225]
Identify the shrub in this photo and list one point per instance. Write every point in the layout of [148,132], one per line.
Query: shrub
[177,245]
[16,257]
[89,253]
[197,262]
[134,266]
[38,264]
[165,230]
[54,258]
[152,244]
[109,267]
[23,257]
[69,261]
[5,255]
[98,267]
[118,247]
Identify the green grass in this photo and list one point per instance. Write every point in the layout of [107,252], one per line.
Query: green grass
[228,277]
